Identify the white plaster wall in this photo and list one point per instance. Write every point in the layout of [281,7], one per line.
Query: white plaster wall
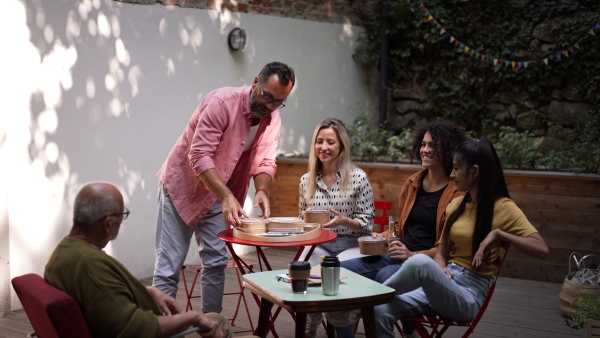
[98,90]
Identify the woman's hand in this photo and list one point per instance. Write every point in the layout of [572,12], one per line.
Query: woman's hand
[377,236]
[448,273]
[485,247]
[338,219]
[397,249]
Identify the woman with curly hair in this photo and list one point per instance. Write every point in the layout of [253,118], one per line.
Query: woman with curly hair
[421,205]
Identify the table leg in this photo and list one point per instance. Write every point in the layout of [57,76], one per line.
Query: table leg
[368,317]
[301,249]
[264,318]
[261,255]
[300,324]
[240,266]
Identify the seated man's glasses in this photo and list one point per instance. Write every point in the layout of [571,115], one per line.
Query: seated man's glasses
[270,100]
[125,214]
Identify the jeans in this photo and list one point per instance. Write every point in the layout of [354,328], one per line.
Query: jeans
[377,268]
[173,242]
[344,247]
[422,288]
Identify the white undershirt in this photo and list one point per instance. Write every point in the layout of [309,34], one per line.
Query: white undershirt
[251,136]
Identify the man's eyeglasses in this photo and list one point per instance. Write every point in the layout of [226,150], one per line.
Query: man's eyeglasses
[270,100]
[125,214]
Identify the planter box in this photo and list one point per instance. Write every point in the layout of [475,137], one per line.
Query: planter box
[564,207]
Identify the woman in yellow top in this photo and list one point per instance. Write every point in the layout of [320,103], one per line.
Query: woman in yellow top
[455,282]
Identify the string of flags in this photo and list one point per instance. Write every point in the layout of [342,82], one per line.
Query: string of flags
[488,58]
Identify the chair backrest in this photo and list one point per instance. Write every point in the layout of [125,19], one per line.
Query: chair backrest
[51,312]
[382,220]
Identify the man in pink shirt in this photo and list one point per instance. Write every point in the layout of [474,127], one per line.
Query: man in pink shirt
[231,137]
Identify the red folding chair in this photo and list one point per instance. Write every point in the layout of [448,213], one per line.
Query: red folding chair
[382,220]
[438,325]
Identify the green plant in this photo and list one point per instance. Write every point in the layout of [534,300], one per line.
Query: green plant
[587,308]
[399,146]
[367,141]
[516,149]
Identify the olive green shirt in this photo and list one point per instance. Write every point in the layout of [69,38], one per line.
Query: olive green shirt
[114,302]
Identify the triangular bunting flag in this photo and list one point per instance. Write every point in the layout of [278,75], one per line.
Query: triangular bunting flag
[591,32]
[456,43]
[482,57]
[467,49]
[442,31]
[462,46]
[546,61]
[452,39]
[429,18]
[520,64]
[426,13]
[577,45]
[502,62]
[525,64]
[434,22]
[423,9]
[571,50]
[495,61]
[598,26]
[566,53]
[558,57]
[506,63]
[477,55]
[513,64]
[447,35]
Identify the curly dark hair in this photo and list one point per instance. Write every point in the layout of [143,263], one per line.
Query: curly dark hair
[446,138]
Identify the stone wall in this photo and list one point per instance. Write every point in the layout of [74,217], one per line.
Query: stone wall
[335,11]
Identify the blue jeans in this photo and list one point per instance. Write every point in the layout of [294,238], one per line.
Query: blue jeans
[379,269]
[422,288]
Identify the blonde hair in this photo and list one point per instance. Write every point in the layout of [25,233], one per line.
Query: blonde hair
[315,165]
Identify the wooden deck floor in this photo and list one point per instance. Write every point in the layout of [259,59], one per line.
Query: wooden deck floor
[519,308]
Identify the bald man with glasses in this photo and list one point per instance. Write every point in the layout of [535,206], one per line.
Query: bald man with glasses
[231,137]
[114,302]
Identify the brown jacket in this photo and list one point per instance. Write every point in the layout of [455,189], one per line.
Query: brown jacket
[408,195]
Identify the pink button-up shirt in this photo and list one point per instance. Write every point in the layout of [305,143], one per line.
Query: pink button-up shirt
[215,138]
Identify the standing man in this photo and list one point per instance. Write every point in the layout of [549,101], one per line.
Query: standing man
[231,137]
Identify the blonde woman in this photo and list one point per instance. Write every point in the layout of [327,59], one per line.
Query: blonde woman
[334,183]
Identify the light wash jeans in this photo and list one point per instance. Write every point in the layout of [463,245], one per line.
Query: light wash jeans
[377,268]
[344,247]
[423,288]
[173,242]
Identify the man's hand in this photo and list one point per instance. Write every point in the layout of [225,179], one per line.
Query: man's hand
[262,200]
[167,304]
[214,331]
[231,211]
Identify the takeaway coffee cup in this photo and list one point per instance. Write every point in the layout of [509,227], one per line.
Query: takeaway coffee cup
[299,271]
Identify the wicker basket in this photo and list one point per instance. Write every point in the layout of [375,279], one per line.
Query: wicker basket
[571,291]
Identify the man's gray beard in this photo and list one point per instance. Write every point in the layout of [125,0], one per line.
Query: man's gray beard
[259,114]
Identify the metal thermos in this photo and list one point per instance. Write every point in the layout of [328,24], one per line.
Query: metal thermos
[330,275]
